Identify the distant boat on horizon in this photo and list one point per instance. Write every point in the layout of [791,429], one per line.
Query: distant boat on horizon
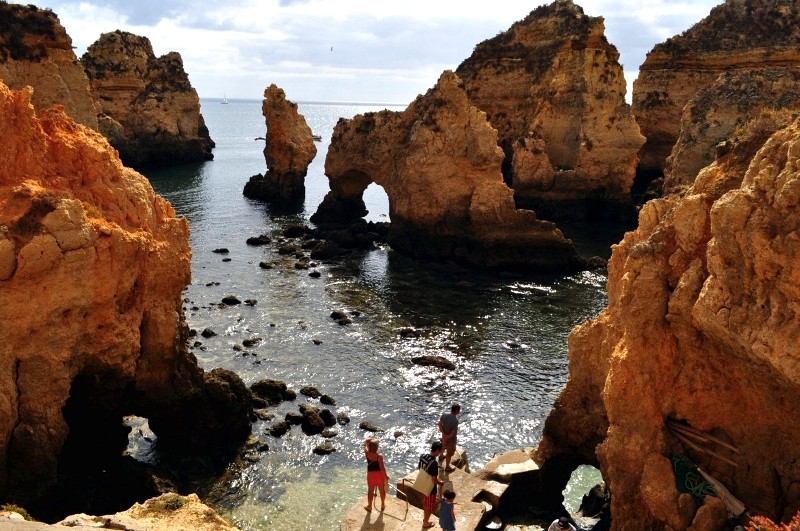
[224,99]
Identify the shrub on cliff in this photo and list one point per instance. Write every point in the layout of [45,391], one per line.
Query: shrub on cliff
[762,523]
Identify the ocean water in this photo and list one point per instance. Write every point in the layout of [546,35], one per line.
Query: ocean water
[506,334]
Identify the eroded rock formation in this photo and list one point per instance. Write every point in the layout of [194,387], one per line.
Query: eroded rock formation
[721,111]
[35,50]
[553,88]
[440,166]
[737,36]
[149,111]
[92,266]
[701,328]
[290,149]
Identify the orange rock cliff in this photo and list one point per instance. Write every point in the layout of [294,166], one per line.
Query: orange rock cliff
[149,110]
[553,88]
[289,150]
[439,163]
[736,37]
[92,266]
[701,330]
[35,50]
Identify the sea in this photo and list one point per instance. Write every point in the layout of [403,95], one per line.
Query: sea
[506,334]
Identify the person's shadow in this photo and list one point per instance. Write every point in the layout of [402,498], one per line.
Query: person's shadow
[377,524]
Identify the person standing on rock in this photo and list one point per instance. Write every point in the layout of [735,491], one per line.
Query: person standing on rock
[448,425]
[428,465]
[376,473]
[447,513]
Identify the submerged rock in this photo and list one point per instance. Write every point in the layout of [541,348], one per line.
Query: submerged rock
[324,449]
[434,361]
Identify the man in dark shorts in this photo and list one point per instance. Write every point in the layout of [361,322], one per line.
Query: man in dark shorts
[448,425]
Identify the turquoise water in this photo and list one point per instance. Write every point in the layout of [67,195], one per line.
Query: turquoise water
[506,334]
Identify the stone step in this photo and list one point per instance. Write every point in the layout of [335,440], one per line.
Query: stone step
[398,515]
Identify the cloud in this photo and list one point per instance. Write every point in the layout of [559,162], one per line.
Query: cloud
[382,51]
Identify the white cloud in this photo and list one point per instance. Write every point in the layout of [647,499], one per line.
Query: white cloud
[382,51]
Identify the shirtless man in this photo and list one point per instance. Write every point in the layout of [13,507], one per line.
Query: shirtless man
[448,425]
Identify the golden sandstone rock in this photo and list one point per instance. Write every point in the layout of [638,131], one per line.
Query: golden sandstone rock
[92,266]
[439,163]
[36,51]
[289,150]
[738,36]
[553,88]
[149,110]
[701,328]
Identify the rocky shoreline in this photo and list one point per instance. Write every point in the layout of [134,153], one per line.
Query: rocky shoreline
[692,360]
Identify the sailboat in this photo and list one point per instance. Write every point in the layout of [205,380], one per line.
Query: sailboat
[224,99]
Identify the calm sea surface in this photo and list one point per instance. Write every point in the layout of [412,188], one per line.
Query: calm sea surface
[506,334]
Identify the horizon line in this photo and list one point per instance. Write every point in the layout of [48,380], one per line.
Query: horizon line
[320,102]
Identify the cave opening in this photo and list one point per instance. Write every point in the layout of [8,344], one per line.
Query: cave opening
[95,473]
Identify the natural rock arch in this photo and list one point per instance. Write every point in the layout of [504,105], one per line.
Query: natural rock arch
[440,166]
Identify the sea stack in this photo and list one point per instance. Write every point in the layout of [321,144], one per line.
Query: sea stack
[92,268]
[35,50]
[288,152]
[738,36]
[695,356]
[149,110]
[553,88]
[440,166]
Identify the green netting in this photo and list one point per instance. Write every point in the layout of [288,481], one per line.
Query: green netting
[689,480]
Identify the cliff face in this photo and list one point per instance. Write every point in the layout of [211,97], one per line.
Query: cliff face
[290,149]
[553,88]
[439,163]
[150,112]
[35,50]
[701,329]
[737,36]
[721,111]
[92,266]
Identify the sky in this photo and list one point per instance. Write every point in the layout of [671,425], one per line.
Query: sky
[377,51]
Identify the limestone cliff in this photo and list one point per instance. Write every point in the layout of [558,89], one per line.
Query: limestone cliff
[440,166]
[720,111]
[553,88]
[737,36]
[289,150]
[149,111]
[36,51]
[92,266]
[701,329]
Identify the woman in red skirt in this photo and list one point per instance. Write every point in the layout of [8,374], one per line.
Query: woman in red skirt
[376,473]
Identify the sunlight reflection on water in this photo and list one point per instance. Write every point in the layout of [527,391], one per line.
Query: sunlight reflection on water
[506,335]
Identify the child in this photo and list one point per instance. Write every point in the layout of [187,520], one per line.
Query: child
[447,513]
